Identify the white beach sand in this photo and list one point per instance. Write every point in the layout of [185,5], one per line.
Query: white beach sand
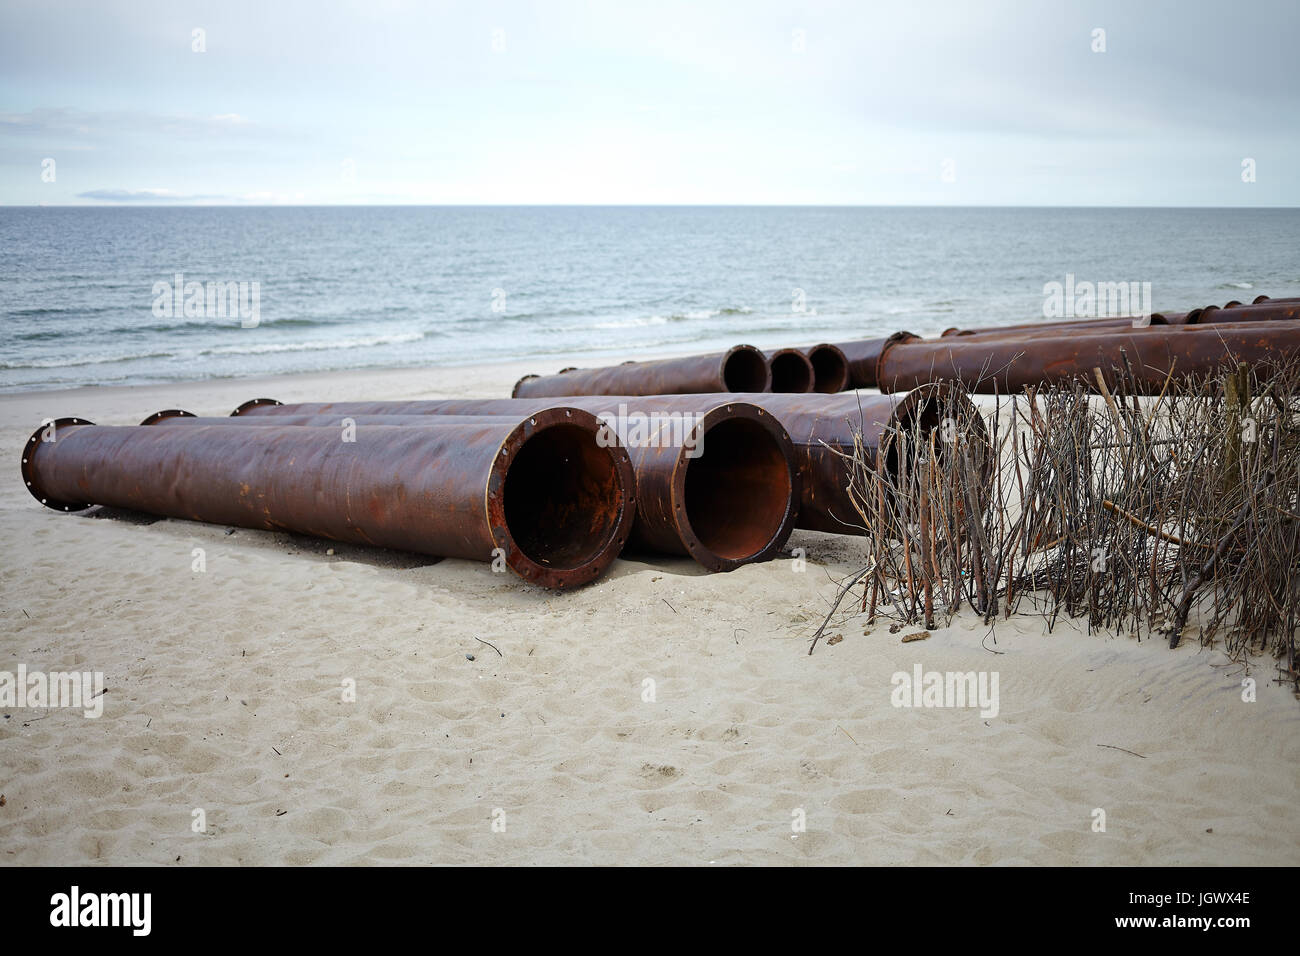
[225,694]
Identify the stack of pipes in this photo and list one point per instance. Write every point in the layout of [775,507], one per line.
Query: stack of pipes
[1148,351]
[552,490]
[717,457]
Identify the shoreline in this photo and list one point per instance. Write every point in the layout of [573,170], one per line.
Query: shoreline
[221,396]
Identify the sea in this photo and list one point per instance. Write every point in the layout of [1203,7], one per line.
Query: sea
[145,295]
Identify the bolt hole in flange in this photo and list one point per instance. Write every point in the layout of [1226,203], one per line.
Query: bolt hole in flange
[49,431]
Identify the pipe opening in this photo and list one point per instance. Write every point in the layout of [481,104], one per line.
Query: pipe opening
[563,497]
[791,372]
[738,492]
[830,369]
[745,370]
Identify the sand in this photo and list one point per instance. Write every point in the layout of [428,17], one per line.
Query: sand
[226,695]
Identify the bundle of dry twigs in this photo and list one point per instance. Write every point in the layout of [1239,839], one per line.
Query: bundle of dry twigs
[1147,514]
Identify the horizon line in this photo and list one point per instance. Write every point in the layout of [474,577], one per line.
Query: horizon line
[631,205]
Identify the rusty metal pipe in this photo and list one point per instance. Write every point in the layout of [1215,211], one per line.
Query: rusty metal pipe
[175,416]
[824,432]
[1049,331]
[1262,309]
[1275,310]
[1072,325]
[862,356]
[730,514]
[792,371]
[1209,316]
[543,493]
[812,421]
[740,369]
[720,485]
[830,368]
[1011,363]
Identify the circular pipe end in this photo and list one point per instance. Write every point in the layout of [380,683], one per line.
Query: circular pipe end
[1259,299]
[792,372]
[561,498]
[254,403]
[166,413]
[736,501]
[830,368]
[48,432]
[897,338]
[745,369]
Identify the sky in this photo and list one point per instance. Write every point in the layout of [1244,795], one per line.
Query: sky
[920,102]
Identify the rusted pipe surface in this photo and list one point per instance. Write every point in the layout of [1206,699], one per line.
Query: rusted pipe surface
[812,422]
[543,493]
[862,356]
[1010,363]
[716,480]
[740,369]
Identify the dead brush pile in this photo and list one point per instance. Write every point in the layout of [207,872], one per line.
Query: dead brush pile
[1151,515]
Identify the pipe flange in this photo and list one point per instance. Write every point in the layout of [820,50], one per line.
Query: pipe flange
[696,548]
[898,338]
[254,403]
[516,559]
[29,473]
[157,417]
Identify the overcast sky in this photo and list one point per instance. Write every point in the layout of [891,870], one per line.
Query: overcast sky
[383,101]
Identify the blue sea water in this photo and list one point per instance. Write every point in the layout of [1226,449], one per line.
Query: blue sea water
[376,287]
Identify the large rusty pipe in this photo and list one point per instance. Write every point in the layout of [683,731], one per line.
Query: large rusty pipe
[1274,310]
[176,416]
[740,369]
[1261,310]
[824,430]
[1050,331]
[812,421]
[830,368]
[719,485]
[1011,363]
[1075,325]
[863,354]
[544,494]
[792,371]
[716,480]
[1199,318]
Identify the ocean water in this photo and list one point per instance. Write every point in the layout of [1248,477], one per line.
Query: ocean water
[376,287]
